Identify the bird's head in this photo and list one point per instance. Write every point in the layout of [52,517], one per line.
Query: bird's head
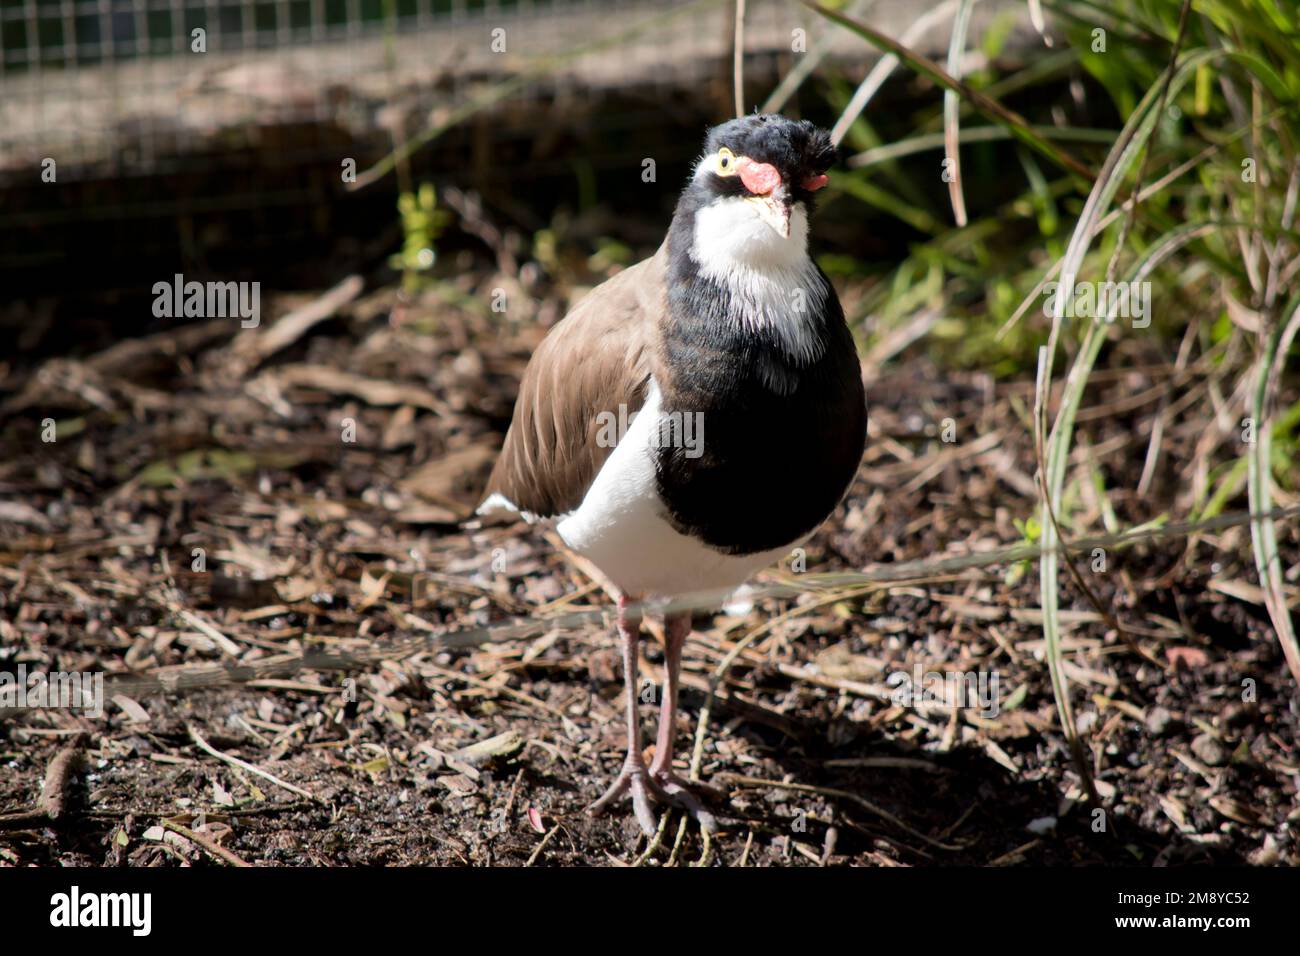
[755,182]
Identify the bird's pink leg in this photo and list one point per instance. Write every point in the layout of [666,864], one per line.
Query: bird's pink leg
[634,777]
[677,627]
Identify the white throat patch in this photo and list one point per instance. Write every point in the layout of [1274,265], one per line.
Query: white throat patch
[772,279]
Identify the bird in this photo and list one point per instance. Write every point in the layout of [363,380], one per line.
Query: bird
[696,416]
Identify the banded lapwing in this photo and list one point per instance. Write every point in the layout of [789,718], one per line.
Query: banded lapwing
[727,357]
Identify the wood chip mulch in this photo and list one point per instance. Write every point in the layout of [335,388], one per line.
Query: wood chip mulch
[212,499]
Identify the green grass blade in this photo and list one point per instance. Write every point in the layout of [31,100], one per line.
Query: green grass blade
[985,104]
[951,107]
[1263,534]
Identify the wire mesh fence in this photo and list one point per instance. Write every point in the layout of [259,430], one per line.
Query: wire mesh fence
[183,127]
[169,120]
[130,81]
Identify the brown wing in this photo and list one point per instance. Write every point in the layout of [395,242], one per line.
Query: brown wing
[597,358]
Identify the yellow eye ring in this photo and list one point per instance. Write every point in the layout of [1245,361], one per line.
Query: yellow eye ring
[725,162]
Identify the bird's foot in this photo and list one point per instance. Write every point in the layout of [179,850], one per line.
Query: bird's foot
[656,785]
[680,793]
[635,778]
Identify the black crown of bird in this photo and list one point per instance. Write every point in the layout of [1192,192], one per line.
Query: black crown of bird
[730,321]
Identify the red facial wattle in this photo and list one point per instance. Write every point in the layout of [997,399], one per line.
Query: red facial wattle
[759,178]
[814,183]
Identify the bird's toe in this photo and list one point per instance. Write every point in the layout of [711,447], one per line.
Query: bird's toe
[636,780]
[680,793]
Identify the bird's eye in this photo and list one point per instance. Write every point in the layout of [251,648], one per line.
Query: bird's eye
[726,162]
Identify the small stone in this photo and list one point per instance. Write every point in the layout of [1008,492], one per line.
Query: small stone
[1160,722]
[1266,855]
[1238,714]
[458,784]
[1209,751]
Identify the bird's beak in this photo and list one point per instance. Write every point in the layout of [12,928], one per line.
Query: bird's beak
[770,196]
[774,209]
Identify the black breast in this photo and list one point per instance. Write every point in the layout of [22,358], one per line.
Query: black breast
[781,440]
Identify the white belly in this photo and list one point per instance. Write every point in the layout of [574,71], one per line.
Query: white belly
[621,527]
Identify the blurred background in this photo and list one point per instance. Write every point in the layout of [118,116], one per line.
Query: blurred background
[209,136]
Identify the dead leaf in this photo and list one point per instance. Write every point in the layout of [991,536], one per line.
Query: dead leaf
[1234,809]
[451,479]
[135,714]
[372,391]
[500,747]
